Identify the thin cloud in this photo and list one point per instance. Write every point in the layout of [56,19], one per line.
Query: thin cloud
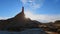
[42,18]
[38,17]
[24,1]
[4,18]
[32,3]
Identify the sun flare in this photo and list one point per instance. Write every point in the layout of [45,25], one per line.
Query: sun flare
[29,15]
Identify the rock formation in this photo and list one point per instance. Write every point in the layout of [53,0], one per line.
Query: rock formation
[18,22]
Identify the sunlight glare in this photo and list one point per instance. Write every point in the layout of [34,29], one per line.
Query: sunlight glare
[29,15]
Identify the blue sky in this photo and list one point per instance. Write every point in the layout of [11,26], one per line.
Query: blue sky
[41,10]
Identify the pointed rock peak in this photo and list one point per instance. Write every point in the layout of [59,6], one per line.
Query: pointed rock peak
[20,15]
[22,9]
[22,12]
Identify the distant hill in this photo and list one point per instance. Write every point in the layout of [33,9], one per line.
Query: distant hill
[57,22]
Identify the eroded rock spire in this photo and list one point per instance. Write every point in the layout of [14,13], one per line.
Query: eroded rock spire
[21,15]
